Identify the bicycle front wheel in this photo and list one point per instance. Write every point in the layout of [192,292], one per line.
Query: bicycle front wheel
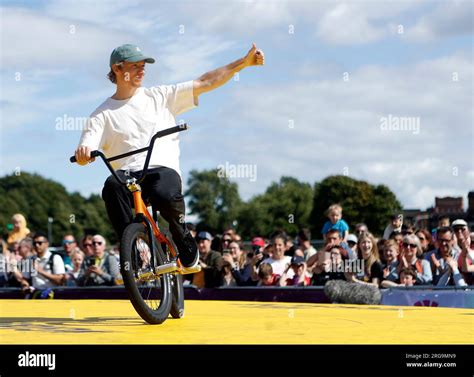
[150,295]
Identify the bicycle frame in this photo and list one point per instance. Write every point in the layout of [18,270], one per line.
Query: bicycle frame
[133,185]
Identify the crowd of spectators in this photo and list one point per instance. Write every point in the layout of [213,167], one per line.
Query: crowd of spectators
[403,256]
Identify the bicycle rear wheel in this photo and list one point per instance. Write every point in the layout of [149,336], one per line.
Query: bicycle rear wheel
[150,296]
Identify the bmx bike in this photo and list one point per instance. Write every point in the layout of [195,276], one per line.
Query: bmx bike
[149,260]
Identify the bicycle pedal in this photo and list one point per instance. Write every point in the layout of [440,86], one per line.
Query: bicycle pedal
[166,268]
[190,270]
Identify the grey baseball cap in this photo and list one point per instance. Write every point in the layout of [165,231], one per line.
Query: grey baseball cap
[128,53]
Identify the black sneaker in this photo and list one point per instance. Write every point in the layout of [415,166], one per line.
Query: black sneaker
[188,252]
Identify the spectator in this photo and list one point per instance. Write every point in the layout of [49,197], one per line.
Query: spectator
[48,270]
[426,240]
[225,242]
[240,265]
[290,248]
[101,269]
[279,261]
[373,272]
[304,241]
[396,224]
[360,228]
[333,238]
[352,243]
[408,277]
[20,229]
[228,279]
[69,245]
[329,265]
[390,251]
[410,257]
[334,213]
[397,237]
[466,256]
[4,276]
[210,262]
[26,263]
[408,229]
[443,221]
[266,276]
[298,265]
[86,246]
[72,276]
[258,244]
[443,260]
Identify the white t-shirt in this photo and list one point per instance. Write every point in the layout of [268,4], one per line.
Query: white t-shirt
[121,126]
[41,282]
[279,266]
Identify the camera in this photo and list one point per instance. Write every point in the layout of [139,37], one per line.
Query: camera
[89,262]
[256,249]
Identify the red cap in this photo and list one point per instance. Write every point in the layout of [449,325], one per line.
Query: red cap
[257,241]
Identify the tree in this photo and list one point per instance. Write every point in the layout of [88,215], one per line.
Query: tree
[214,199]
[361,202]
[38,198]
[285,205]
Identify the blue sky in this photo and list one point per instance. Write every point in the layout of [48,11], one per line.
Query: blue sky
[54,58]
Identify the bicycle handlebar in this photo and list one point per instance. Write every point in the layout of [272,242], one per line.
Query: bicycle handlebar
[149,149]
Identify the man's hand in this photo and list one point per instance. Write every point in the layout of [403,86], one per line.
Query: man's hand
[254,57]
[83,155]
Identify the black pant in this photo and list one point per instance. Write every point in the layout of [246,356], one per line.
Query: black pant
[161,187]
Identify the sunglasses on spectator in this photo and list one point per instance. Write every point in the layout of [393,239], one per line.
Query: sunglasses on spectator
[38,242]
[96,242]
[422,238]
[87,245]
[67,242]
[406,244]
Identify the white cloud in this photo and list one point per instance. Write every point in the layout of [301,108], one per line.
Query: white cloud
[447,19]
[337,126]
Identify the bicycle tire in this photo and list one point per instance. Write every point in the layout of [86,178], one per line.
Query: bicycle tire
[130,258]
[177,302]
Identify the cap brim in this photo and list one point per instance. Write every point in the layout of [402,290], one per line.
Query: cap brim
[140,58]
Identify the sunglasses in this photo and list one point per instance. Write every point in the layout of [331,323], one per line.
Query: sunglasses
[38,242]
[67,242]
[441,240]
[409,244]
[422,238]
[87,245]
[96,243]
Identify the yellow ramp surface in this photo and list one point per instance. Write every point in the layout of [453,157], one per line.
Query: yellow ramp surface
[231,322]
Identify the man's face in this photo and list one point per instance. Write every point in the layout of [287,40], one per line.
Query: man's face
[397,222]
[69,244]
[445,243]
[40,245]
[98,246]
[361,229]
[131,74]
[333,239]
[204,246]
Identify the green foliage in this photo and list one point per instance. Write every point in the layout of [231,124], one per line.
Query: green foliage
[38,198]
[361,202]
[285,205]
[214,199]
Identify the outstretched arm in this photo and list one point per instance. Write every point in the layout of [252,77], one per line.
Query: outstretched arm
[214,79]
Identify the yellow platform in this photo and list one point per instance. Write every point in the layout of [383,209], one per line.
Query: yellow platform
[231,322]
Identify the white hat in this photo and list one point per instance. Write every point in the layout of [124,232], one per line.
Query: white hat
[459,222]
[352,237]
